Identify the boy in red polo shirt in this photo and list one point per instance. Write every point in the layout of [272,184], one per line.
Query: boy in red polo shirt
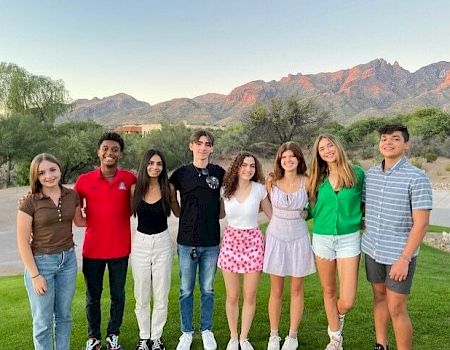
[107,242]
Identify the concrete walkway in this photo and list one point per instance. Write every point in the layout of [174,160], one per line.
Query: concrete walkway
[10,263]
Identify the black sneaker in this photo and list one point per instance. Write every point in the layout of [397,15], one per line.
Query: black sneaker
[381,347]
[93,344]
[158,344]
[144,344]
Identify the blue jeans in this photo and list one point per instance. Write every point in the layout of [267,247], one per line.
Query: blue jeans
[205,259]
[53,309]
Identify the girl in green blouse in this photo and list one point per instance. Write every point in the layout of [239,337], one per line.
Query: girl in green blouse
[335,188]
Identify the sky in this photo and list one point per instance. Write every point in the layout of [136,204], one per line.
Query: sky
[160,50]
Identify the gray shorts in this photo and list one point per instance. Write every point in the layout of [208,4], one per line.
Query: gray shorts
[379,273]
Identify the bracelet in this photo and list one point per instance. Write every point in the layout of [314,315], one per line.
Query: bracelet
[407,258]
[33,277]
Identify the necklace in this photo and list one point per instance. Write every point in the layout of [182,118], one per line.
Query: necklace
[202,171]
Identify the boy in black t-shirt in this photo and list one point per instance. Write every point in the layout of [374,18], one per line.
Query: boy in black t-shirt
[198,235]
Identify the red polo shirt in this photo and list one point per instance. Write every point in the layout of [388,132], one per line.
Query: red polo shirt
[107,207]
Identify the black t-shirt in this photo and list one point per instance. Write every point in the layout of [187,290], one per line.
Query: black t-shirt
[151,217]
[200,205]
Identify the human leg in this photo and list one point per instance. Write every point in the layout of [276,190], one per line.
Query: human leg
[250,287]
[207,263]
[188,271]
[232,287]
[117,272]
[65,283]
[161,277]
[275,300]
[297,303]
[401,323]
[93,271]
[42,306]
[141,270]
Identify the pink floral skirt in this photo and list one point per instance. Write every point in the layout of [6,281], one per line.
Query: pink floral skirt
[241,251]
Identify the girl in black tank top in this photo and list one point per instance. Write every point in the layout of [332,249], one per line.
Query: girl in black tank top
[151,249]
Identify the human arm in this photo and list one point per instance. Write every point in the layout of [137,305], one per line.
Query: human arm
[78,219]
[399,270]
[24,227]
[266,207]
[174,204]
[222,212]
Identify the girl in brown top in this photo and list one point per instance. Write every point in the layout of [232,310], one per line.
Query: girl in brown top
[45,241]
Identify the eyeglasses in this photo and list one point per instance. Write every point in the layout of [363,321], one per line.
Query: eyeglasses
[212,181]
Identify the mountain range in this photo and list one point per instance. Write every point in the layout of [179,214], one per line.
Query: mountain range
[373,88]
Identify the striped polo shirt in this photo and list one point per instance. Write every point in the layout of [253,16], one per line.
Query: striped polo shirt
[390,197]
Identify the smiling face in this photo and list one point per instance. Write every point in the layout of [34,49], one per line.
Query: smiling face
[109,154]
[327,151]
[49,174]
[393,146]
[289,161]
[247,169]
[201,148]
[154,166]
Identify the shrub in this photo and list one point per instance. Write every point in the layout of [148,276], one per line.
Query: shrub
[417,163]
[430,156]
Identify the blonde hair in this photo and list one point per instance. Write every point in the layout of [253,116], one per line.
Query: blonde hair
[35,185]
[346,176]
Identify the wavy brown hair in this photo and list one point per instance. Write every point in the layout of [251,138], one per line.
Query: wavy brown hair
[278,171]
[319,168]
[35,184]
[231,178]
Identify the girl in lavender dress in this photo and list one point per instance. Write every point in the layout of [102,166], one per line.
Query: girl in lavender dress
[288,247]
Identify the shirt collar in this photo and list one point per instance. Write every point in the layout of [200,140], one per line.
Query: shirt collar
[396,166]
[40,195]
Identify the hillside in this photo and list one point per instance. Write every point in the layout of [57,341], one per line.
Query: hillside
[374,88]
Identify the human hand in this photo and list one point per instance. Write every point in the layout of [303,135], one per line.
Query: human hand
[304,214]
[39,284]
[399,271]
[21,200]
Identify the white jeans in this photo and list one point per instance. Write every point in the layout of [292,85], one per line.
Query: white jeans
[151,263]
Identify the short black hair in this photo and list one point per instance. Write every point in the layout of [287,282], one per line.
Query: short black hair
[391,128]
[112,136]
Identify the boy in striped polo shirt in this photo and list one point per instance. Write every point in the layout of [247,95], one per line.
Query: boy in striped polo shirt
[398,200]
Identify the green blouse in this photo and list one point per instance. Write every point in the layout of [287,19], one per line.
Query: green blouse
[338,213]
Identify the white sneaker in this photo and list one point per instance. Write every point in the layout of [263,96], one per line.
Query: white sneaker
[185,341]
[290,343]
[335,344]
[233,344]
[209,343]
[245,345]
[274,342]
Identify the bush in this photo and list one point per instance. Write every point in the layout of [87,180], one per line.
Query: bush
[430,156]
[417,163]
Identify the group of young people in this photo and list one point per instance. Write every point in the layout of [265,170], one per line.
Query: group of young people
[394,198]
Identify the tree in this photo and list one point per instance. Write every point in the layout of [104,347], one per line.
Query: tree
[21,138]
[233,139]
[284,120]
[22,92]
[75,146]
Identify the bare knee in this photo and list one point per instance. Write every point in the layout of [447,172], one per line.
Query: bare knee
[232,298]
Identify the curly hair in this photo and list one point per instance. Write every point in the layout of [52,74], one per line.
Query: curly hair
[278,171]
[112,136]
[231,178]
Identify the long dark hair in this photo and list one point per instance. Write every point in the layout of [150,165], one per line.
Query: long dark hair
[143,182]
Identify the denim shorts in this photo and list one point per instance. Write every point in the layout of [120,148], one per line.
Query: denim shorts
[333,247]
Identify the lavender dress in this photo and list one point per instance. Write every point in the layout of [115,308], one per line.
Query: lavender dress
[288,247]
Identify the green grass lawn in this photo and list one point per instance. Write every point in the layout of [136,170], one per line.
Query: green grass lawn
[429,309]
